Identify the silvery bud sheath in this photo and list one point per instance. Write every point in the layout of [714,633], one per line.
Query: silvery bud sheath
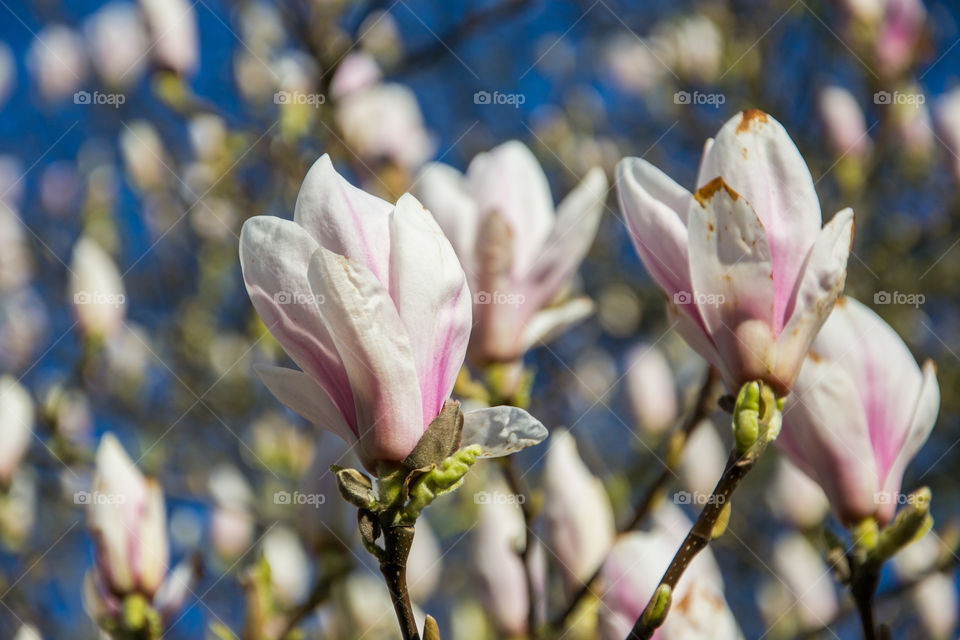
[519,253]
[859,412]
[749,274]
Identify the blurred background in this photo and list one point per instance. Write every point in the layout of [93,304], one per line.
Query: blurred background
[154,129]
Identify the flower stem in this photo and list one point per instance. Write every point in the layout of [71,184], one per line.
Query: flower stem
[393,566]
[863,589]
[698,538]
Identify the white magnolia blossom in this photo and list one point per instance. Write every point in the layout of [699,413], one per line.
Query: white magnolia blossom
[58,60]
[96,289]
[173,33]
[652,389]
[17,416]
[117,43]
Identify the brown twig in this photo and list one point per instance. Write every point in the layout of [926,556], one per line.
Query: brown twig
[393,565]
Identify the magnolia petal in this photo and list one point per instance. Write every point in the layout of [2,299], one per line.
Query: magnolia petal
[154,554]
[306,397]
[685,318]
[550,322]
[825,433]
[429,290]
[443,190]
[274,254]
[731,274]
[578,217]
[754,154]
[17,415]
[178,585]
[344,219]
[924,417]
[821,285]
[501,431]
[508,180]
[658,230]
[376,355]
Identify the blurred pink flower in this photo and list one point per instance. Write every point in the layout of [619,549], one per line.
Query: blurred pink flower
[844,121]
[652,389]
[369,300]
[859,412]
[899,33]
[519,253]
[749,275]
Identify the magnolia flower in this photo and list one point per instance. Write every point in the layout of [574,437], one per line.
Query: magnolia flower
[58,61]
[173,33]
[579,518]
[631,574]
[231,525]
[519,254]
[28,632]
[368,299]
[860,411]
[703,459]
[117,42]
[16,264]
[898,35]
[16,426]
[844,121]
[802,590]
[914,127]
[794,498]
[652,390]
[749,275]
[290,567]
[127,518]
[935,597]
[96,289]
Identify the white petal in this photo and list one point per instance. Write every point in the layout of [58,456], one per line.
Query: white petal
[16,424]
[304,395]
[430,292]
[376,354]
[550,322]
[658,230]
[443,190]
[501,431]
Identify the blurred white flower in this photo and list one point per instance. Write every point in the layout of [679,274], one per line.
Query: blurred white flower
[844,122]
[232,525]
[173,33]
[703,459]
[290,567]
[935,597]
[802,593]
[651,388]
[58,61]
[795,498]
[16,264]
[143,155]
[696,48]
[17,414]
[96,289]
[117,43]
[28,632]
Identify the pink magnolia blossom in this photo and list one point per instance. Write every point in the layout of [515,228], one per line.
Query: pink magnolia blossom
[844,121]
[748,272]
[899,32]
[369,300]
[859,412]
[652,389]
[519,253]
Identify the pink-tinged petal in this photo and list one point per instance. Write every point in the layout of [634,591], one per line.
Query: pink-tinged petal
[373,345]
[924,416]
[552,321]
[304,395]
[825,433]
[430,292]
[755,156]
[818,290]
[685,318]
[508,180]
[274,255]
[649,200]
[578,217]
[731,274]
[344,219]
[444,191]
